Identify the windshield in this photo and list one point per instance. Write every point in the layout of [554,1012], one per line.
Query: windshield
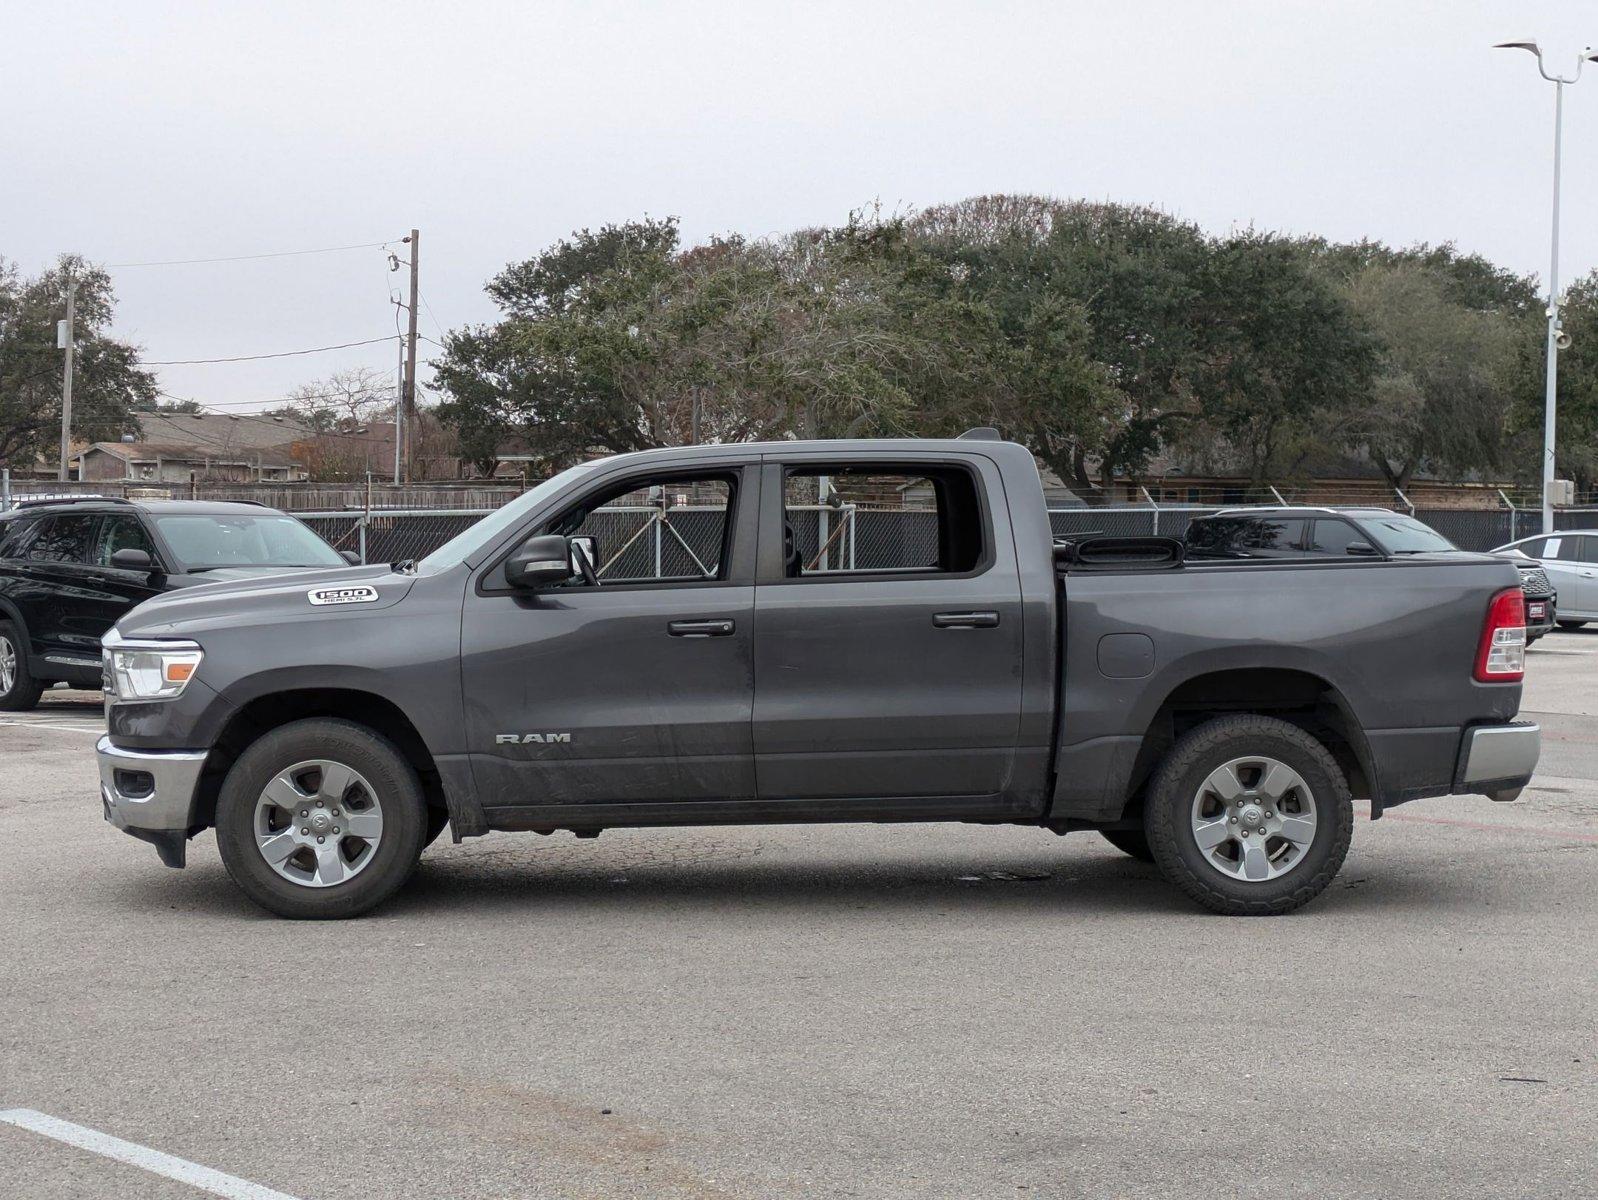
[487,531]
[1406,535]
[209,542]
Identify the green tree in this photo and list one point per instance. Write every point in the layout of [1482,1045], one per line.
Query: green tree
[620,341]
[1440,395]
[1094,304]
[1282,354]
[108,383]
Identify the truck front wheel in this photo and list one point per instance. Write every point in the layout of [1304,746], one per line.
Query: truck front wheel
[1249,815]
[321,819]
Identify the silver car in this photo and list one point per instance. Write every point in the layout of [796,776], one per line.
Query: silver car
[1570,559]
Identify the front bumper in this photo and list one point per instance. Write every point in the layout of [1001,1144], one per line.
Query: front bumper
[150,794]
[1498,760]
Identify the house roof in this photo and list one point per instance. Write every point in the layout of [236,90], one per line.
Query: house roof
[220,432]
[150,451]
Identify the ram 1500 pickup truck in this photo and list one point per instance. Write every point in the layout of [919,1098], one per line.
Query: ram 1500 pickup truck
[879,630]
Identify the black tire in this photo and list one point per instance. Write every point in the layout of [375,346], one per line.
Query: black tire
[1570,624]
[437,819]
[1130,841]
[1172,793]
[25,690]
[404,812]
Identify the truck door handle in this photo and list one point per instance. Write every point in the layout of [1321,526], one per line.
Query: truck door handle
[965,620]
[716,628]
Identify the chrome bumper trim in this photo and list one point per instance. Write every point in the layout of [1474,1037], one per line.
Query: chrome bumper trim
[1499,759]
[170,802]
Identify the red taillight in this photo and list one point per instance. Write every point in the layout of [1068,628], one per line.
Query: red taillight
[1501,657]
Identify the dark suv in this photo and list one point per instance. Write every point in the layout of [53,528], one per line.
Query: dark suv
[1278,533]
[70,568]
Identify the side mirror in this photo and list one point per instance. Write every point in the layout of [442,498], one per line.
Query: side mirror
[1363,549]
[350,557]
[542,561]
[132,560]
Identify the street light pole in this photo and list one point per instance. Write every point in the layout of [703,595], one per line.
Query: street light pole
[1551,381]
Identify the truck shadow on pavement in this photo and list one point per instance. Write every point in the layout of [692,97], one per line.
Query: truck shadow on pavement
[458,883]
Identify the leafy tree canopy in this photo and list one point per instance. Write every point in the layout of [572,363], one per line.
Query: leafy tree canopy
[108,384]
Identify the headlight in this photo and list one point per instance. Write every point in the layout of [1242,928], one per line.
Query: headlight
[152,670]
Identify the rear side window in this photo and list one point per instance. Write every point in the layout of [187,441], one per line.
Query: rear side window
[64,539]
[1560,549]
[1533,548]
[864,520]
[1246,537]
[14,535]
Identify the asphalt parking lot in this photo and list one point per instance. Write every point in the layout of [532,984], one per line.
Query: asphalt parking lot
[877,1011]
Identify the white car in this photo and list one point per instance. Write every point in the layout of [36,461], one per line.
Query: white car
[1570,558]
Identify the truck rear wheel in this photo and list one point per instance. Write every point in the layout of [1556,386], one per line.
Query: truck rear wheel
[1130,841]
[321,819]
[1249,815]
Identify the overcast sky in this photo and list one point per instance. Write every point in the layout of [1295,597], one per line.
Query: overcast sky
[138,132]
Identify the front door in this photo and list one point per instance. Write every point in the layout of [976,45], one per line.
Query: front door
[637,690]
[888,649]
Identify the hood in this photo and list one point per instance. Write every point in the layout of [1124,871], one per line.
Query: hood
[250,597]
[190,579]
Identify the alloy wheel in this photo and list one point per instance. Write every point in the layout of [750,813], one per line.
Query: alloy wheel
[1254,819]
[318,823]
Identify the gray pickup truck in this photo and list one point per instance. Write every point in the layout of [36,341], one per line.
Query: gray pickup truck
[874,630]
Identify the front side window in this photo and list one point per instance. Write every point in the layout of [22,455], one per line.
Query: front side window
[1333,537]
[122,533]
[64,539]
[863,520]
[661,530]
[208,542]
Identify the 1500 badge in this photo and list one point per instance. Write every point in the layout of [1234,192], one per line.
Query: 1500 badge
[361,593]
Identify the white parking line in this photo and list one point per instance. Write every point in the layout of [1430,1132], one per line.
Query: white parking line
[143,1157]
[95,728]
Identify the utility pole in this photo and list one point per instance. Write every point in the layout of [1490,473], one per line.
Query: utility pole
[415,241]
[66,340]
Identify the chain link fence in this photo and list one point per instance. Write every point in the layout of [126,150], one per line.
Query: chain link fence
[387,523]
[647,542]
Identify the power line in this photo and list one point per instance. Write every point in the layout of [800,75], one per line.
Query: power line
[190,362]
[187,262]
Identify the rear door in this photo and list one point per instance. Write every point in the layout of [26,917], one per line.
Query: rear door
[1587,574]
[888,644]
[62,596]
